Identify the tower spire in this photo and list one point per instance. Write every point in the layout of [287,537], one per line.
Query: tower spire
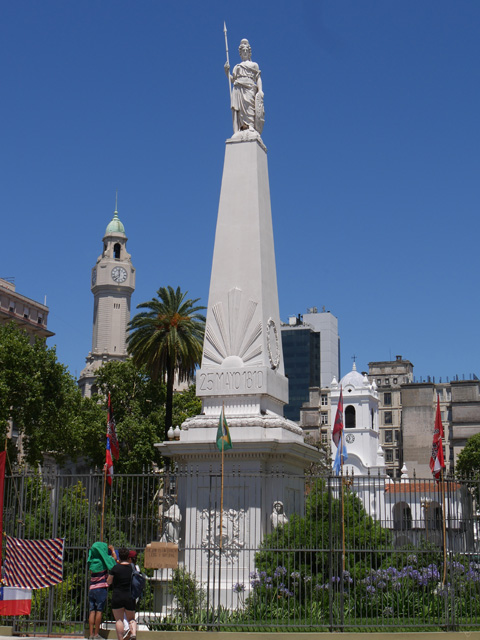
[116,201]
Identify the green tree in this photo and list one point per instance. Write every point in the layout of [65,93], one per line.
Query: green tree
[167,339]
[468,461]
[138,408]
[41,398]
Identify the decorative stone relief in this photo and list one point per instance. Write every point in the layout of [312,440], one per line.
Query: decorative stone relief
[234,332]
[272,344]
[232,529]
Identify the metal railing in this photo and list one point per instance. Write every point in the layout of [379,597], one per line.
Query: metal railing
[364,554]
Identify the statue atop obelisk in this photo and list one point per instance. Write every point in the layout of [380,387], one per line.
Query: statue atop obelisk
[246,96]
[242,365]
[242,371]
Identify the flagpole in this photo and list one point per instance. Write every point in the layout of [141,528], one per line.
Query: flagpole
[221,487]
[343,506]
[105,471]
[103,499]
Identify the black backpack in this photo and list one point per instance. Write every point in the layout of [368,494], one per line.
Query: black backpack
[137,584]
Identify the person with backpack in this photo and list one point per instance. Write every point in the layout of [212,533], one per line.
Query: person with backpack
[123,602]
[132,555]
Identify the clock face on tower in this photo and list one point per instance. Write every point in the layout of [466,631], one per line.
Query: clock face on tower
[119,274]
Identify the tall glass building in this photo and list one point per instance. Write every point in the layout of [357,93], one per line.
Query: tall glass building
[311,354]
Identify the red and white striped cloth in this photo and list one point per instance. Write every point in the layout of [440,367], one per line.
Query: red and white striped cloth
[33,564]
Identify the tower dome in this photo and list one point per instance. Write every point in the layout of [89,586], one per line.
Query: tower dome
[354,379]
[115,225]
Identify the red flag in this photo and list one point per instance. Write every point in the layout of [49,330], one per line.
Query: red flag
[338,425]
[111,432]
[437,463]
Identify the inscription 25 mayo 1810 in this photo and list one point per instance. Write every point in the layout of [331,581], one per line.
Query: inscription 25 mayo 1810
[247,380]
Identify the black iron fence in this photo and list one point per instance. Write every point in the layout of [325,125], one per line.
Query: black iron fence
[285,552]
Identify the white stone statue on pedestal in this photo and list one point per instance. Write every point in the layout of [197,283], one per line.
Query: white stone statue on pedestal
[173,518]
[278,517]
[246,94]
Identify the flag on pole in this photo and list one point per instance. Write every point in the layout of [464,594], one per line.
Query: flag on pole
[33,564]
[109,463]
[437,462]
[338,437]
[223,433]
[15,601]
[341,451]
[338,424]
[111,432]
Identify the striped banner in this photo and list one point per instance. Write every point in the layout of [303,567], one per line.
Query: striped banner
[33,564]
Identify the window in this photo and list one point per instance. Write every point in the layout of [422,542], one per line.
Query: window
[379,382]
[324,438]
[12,306]
[388,435]
[26,312]
[350,417]
[397,454]
[116,251]
[387,380]
[395,380]
[397,435]
[40,319]
[387,416]
[323,418]
[402,517]
[389,455]
[387,398]
[324,400]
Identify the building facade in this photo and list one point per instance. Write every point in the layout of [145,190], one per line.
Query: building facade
[389,376]
[112,285]
[311,353]
[27,314]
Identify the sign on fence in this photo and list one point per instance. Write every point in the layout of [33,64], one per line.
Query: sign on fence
[161,555]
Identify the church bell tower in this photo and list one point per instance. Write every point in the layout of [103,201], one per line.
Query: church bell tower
[112,285]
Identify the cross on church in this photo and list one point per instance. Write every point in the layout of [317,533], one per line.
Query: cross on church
[354,358]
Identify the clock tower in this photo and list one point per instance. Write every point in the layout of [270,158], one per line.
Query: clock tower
[112,285]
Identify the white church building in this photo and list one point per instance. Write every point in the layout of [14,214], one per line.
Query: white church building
[411,508]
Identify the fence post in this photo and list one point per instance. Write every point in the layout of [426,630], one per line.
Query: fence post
[330,555]
[51,590]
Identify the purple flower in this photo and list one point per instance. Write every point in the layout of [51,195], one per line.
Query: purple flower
[371,590]
[279,572]
[238,587]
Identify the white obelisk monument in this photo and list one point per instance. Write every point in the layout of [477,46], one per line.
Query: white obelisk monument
[242,367]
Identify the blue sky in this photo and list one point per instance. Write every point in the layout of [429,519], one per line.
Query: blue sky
[373,136]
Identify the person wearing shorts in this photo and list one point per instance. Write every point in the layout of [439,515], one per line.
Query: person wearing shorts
[123,605]
[101,558]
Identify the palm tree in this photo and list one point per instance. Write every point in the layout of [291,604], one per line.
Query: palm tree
[168,339]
